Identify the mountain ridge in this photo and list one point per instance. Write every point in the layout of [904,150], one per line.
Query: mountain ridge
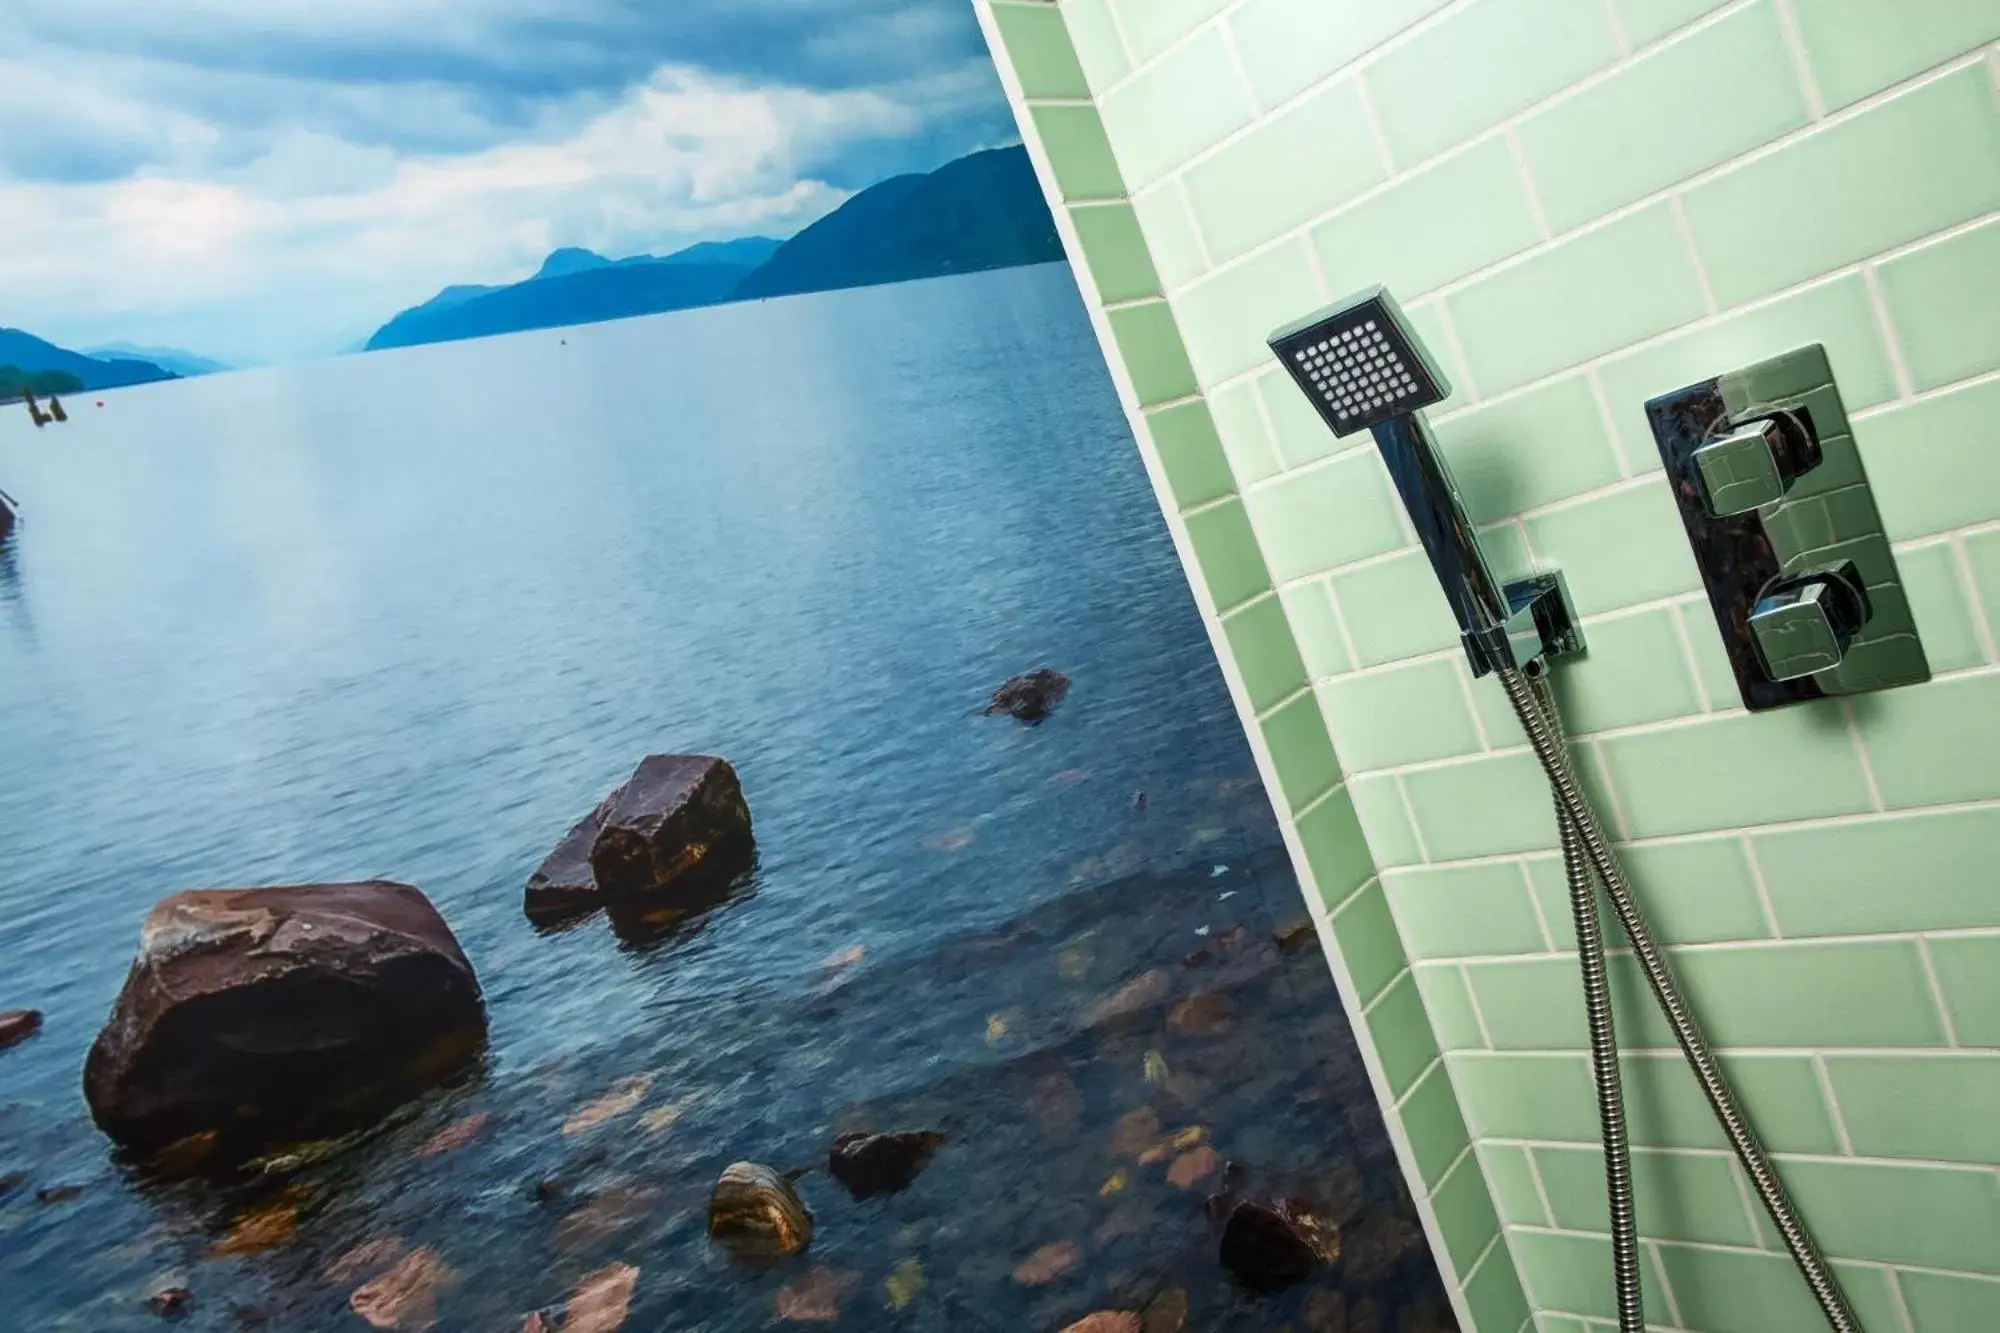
[26,352]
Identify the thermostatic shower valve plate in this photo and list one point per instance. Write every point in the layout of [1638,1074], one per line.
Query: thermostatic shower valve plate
[1812,550]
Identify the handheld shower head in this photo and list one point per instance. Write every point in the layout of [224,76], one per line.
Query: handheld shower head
[1360,363]
[1364,368]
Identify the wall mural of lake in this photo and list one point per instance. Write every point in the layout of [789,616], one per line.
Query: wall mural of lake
[876,999]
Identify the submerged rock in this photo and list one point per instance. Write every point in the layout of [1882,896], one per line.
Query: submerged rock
[1271,1244]
[17,1025]
[273,1015]
[756,1214]
[171,1302]
[1031,697]
[872,1164]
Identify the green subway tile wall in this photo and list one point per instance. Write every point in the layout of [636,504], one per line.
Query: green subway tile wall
[1583,206]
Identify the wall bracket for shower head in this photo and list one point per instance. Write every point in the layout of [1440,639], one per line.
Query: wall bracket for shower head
[1365,369]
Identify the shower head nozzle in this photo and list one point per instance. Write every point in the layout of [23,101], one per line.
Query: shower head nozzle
[1360,363]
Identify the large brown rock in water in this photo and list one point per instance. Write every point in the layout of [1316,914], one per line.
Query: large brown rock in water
[564,886]
[1032,696]
[680,817]
[273,1015]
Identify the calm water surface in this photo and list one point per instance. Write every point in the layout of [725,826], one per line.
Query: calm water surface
[409,615]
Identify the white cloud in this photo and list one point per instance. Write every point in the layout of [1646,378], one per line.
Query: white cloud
[310,245]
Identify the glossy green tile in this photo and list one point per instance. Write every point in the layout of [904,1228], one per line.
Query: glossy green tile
[1162,116]
[1402,1033]
[1944,1303]
[1561,1323]
[1696,892]
[1378,802]
[1368,943]
[1260,639]
[1767,224]
[1099,48]
[1395,609]
[1316,628]
[1513,1183]
[1573,1273]
[1170,235]
[1462,911]
[1816,993]
[1190,453]
[1115,252]
[1632,671]
[1151,26]
[1836,314]
[1937,1216]
[1302,437]
[1232,568]
[1080,155]
[1428,321]
[1149,343]
[1289,45]
[1779,1093]
[1741,1291]
[1711,663]
[1461,214]
[1535,1003]
[1593,293]
[1254,189]
[1482,807]
[1858,47]
[1494,1295]
[1230,314]
[1479,65]
[1496,714]
[1039,49]
[1982,553]
[1943,612]
[1465,1215]
[1402,715]
[1300,751]
[1449,1005]
[1935,464]
[1335,848]
[1737,769]
[1580,150]
[1934,743]
[1646,21]
[1837,879]
[1529,450]
[1431,1120]
[1942,300]
[1246,441]
[1618,549]
[1968,970]
[1550,1098]
[1341,511]
[1896,1106]
[1681,1196]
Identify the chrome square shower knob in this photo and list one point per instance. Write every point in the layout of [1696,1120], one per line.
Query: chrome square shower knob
[1803,625]
[1756,465]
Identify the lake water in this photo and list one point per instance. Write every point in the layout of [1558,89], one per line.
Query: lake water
[409,615]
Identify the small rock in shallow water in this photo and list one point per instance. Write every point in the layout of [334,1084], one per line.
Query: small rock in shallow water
[1032,696]
[1047,1264]
[679,818]
[1294,936]
[171,1302]
[17,1025]
[406,1295]
[1267,1245]
[601,1301]
[1106,1321]
[1165,1313]
[872,1164]
[754,1212]
[814,1298]
[1201,1015]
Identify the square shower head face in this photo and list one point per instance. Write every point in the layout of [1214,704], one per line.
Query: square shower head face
[1360,363]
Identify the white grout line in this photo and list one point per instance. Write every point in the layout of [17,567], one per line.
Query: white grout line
[1373,115]
[1878,305]
[1700,270]
[1541,1186]
[1652,1249]
[1861,754]
[1340,623]
[1467,384]
[1982,627]
[1609,422]
[1478,1014]
[1535,902]
[1753,1210]
[1795,44]
[1937,991]
[1618,33]
[1688,659]
[1463,675]
[1410,812]
[1901,1303]
[1763,889]
[1825,1078]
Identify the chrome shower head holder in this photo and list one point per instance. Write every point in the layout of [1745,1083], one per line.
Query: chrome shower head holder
[1365,369]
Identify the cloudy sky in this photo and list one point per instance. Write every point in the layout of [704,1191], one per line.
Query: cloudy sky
[260,180]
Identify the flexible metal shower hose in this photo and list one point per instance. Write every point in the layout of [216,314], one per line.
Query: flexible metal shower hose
[1586,849]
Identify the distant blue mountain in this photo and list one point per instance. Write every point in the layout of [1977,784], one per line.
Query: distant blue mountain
[33,355]
[184,364]
[981,212]
[576,286]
